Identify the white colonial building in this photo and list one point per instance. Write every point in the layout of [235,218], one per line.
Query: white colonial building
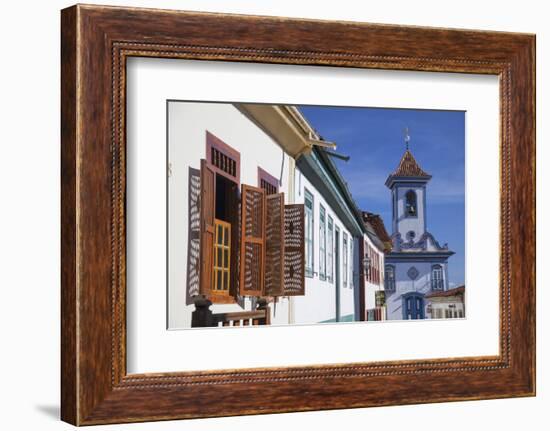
[333,229]
[447,304]
[213,150]
[259,219]
[417,263]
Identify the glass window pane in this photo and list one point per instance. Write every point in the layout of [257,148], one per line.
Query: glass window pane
[226,280]
[219,280]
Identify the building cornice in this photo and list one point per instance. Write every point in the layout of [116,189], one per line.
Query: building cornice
[393,179]
[284,124]
[410,256]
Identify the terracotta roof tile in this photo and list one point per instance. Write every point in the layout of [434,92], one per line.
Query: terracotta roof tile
[379,229]
[451,292]
[408,167]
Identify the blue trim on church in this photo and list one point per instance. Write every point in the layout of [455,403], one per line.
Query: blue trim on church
[413,306]
[392,179]
[399,244]
[412,256]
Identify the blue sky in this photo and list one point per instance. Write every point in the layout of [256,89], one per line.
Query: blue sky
[374,139]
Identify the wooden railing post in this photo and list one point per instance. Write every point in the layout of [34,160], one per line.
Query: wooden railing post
[261,305]
[202,316]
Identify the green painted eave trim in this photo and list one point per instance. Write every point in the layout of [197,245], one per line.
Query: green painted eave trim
[350,218]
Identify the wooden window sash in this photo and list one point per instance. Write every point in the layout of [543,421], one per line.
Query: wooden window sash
[252,234]
[295,265]
[224,267]
[207,213]
[207,236]
[275,245]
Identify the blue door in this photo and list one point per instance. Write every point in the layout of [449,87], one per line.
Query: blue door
[413,306]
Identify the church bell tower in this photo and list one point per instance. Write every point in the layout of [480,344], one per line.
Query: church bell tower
[408,193]
[417,263]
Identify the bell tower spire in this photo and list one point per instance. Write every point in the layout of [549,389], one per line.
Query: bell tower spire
[408,187]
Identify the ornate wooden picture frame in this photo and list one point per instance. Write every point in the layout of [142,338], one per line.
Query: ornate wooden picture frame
[96,41]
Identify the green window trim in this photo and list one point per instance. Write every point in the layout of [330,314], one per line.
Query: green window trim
[322,242]
[330,250]
[351,262]
[345,258]
[309,238]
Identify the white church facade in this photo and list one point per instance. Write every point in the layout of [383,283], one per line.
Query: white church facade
[417,264]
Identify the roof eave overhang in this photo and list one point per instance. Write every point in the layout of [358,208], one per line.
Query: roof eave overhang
[323,180]
[392,179]
[451,293]
[284,124]
[376,242]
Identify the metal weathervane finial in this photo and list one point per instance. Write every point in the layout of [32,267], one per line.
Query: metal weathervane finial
[407,137]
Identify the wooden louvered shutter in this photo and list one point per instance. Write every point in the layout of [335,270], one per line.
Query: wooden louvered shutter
[294,256]
[207,215]
[252,241]
[274,244]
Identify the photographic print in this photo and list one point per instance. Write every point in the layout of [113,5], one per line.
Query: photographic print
[282,214]
[221,186]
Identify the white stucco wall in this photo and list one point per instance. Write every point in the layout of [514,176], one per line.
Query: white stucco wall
[430,245]
[188,123]
[370,289]
[439,306]
[319,302]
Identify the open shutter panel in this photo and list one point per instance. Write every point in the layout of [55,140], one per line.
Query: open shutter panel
[294,256]
[253,210]
[207,214]
[274,244]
